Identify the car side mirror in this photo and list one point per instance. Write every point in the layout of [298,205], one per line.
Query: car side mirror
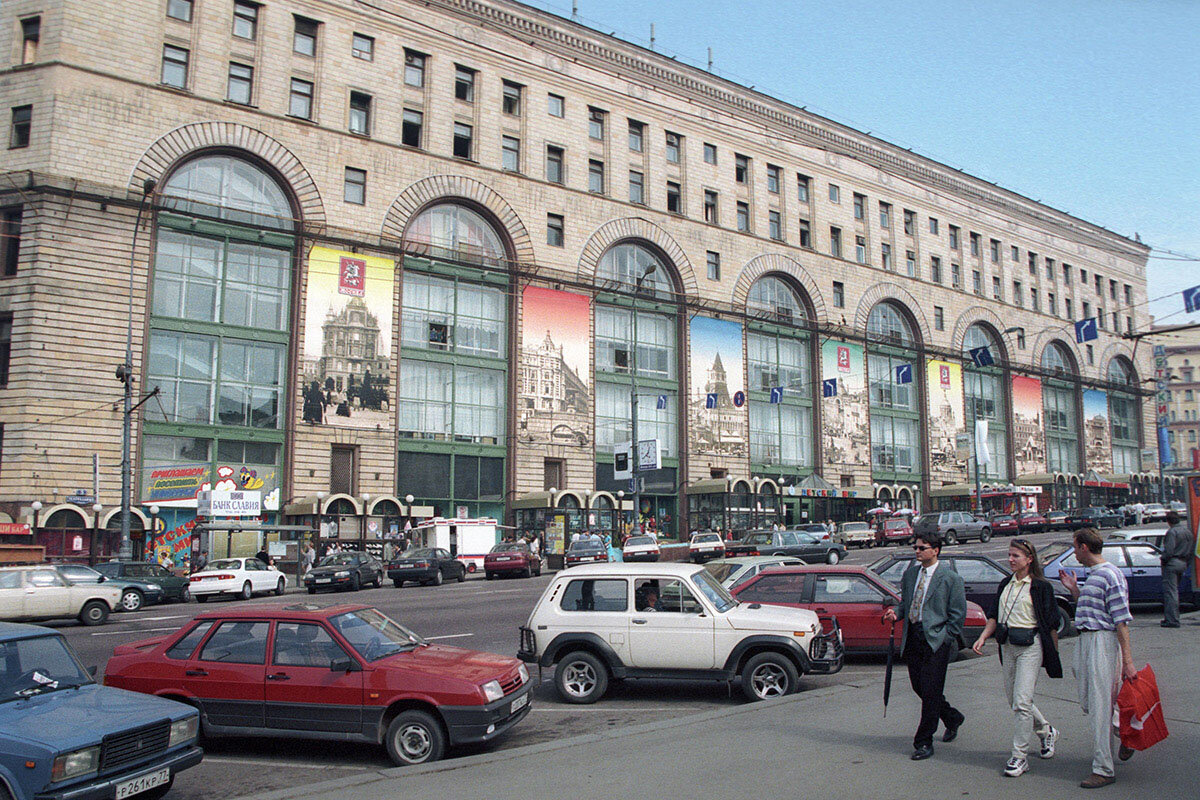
[889,602]
[92,670]
[343,665]
[103,578]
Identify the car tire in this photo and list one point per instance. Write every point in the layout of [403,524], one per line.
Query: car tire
[186,596]
[312,590]
[437,577]
[279,587]
[1066,624]
[94,612]
[397,583]
[132,600]
[832,557]
[462,573]
[414,737]
[581,678]
[538,571]
[378,582]
[355,582]
[527,572]
[985,534]
[201,598]
[471,568]
[951,537]
[247,592]
[491,576]
[767,676]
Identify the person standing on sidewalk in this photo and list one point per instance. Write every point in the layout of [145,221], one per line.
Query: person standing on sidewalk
[1104,654]
[934,605]
[1178,550]
[1024,618]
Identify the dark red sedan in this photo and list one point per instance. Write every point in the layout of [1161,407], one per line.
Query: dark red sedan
[1005,524]
[511,558]
[343,672]
[1032,522]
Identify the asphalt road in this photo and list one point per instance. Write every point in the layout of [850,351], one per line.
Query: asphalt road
[477,614]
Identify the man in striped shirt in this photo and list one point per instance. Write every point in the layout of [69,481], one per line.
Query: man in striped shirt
[1104,655]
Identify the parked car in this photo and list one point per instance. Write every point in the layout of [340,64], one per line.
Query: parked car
[62,735]
[134,593]
[818,529]
[855,533]
[585,551]
[705,546]
[32,594]
[174,587]
[806,546]
[1153,537]
[893,529]
[731,572]
[340,672]
[641,548]
[1005,525]
[852,595]
[349,569]
[428,566]
[1057,521]
[1093,517]
[669,620]
[955,526]
[1030,522]
[1138,561]
[508,558]
[1155,512]
[236,577]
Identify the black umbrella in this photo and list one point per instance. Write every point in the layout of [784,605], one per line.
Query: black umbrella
[891,654]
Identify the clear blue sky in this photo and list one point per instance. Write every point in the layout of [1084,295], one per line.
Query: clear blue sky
[1092,107]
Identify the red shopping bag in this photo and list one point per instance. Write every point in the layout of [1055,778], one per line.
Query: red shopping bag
[1140,712]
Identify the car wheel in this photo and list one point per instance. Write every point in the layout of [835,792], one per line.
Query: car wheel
[93,612]
[832,557]
[132,600]
[985,534]
[437,577]
[581,678]
[355,582]
[415,737]
[538,571]
[201,598]
[312,590]
[378,582]
[462,573]
[951,537]
[471,568]
[527,572]
[246,592]
[491,576]
[768,675]
[186,595]
[279,587]
[1066,625]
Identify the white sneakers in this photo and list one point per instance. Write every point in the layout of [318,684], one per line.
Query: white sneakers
[1019,766]
[1016,767]
[1048,742]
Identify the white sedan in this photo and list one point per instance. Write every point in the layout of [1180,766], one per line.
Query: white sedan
[240,577]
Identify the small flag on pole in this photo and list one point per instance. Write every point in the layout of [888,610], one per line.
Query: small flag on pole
[711,400]
[829,387]
[904,373]
[776,394]
[1086,330]
[982,356]
[662,402]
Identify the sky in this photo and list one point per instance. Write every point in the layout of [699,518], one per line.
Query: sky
[1091,107]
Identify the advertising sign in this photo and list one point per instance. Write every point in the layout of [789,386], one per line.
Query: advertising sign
[1097,431]
[219,503]
[944,386]
[14,529]
[718,426]
[846,431]
[1029,444]
[554,386]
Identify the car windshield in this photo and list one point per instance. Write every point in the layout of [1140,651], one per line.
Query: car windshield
[855,526]
[375,635]
[424,552]
[714,591]
[111,570]
[225,563]
[338,559]
[638,540]
[1053,551]
[895,523]
[36,665]
[1002,518]
[506,547]
[814,528]
[712,537]
[720,570]
[586,547]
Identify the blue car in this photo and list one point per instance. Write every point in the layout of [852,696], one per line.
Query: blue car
[65,737]
[1139,562]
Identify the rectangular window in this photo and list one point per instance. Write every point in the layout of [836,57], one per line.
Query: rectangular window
[356,186]
[10,228]
[955,275]
[342,470]
[360,113]
[710,153]
[1099,284]
[885,215]
[939,318]
[1049,268]
[1034,302]
[452,316]
[774,226]
[1129,324]
[885,253]
[1100,317]
[362,46]
[1066,272]
[1033,263]
[410,128]
[637,187]
[464,84]
[414,68]
[935,269]
[637,136]
[805,233]
[860,249]
[710,206]
[510,153]
[1015,253]
[31,35]
[175,66]
[839,294]
[1091,356]
[741,168]
[304,37]
[933,226]
[910,222]
[1052,303]
[954,232]
[1070,308]
[463,135]
[773,179]
[554,164]
[300,99]
[177,9]
[976,244]
[910,263]
[714,266]
[997,289]
[674,148]
[835,241]
[555,230]
[245,20]
[860,206]
[1128,295]
[802,185]
[835,193]
[743,217]
[674,198]
[556,105]
[596,123]
[240,85]
[977,281]
[1018,298]
[596,176]
[994,250]
[1083,276]
[6,324]
[510,103]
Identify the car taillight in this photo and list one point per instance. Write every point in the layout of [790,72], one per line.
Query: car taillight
[224,577]
[420,563]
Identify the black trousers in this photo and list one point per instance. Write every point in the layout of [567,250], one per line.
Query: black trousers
[927,673]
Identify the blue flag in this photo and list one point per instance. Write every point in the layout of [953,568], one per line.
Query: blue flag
[662,402]
[982,356]
[711,400]
[904,373]
[776,394]
[829,387]
[1191,299]
[1086,330]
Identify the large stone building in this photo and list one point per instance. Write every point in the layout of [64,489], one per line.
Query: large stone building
[1181,350]
[477,173]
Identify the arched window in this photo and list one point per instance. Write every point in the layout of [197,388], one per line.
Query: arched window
[779,357]
[1055,358]
[1124,412]
[568,501]
[887,324]
[894,379]
[1060,407]
[1121,373]
[455,231]
[228,188]
[983,395]
[773,298]
[629,264]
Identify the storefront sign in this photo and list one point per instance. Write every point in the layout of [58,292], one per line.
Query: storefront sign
[213,503]
[14,529]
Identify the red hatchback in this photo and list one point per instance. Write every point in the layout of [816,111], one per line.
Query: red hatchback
[854,595]
[511,558]
[343,672]
[1005,524]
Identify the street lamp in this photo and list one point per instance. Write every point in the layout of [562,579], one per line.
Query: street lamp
[153,524]
[96,509]
[633,400]
[362,529]
[36,505]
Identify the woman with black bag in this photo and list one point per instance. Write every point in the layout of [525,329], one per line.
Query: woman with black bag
[1024,620]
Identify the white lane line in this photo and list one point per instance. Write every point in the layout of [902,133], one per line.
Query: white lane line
[450,636]
[141,630]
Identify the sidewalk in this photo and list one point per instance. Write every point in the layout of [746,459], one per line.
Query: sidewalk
[830,743]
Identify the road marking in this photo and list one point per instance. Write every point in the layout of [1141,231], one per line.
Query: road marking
[143,630]
[450,636]
[280,762]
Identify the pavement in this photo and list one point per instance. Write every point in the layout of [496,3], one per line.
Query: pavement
[830,743]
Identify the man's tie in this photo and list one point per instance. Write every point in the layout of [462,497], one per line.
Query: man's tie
[914,613]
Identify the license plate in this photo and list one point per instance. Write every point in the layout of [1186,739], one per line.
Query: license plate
[143,782]
[322,580]
[519,703]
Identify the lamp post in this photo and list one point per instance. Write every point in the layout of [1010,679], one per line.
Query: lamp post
[36,505]
[320,515]
[362,528]
[408,499]
[96,509]
[633,401]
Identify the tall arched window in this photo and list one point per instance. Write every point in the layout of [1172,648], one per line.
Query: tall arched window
[983,395]
[779,357]
[894,376]
[220,326]
[1123,415]
[453,363]
[1060,404]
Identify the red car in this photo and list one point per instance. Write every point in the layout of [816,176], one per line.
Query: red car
[1005,524]
[895,529]
[511,558]
[343,672]
[854,595]
[1032,522]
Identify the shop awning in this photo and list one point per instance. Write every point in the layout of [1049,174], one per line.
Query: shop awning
[533,500]
[1035,479]
[709,486]
[952,490]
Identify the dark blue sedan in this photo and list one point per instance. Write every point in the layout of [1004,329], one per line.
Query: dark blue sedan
[1138,561]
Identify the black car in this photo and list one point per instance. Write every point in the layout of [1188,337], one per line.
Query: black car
[346,570]
[1093,517]
[981,580]
[135,592]
[427,566]
[585,551]
[174,586]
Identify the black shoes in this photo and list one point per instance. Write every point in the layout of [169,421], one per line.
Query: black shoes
[952,731]
[922,753]
[1165,624]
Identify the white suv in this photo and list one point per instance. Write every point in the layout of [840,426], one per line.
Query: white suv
[670,620]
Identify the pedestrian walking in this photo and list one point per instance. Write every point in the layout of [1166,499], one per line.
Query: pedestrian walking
[1139,511]
[1024,619]
[308,558]
[1104,654]
[1178,550]
[934,607]
[201,561]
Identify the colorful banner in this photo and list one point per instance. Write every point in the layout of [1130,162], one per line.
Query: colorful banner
[944,387]
[347,366]
[718,424]
[845,424]
[176,485]
[1097,431]
[1029,445]
[553,390]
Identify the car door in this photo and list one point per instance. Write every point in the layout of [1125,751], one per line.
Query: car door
[981,580]
[262,577]
[598,605]
[1144,574]
[301,691]
[46,594]
[12,594]
[856,602]
[228,673]
[679,634]
[809,548]
[446,565]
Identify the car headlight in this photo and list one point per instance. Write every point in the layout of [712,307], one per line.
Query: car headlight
[342,574]
[492,691]
[524,673]
[184,731]
[74,764]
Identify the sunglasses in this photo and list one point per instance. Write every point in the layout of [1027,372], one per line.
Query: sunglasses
[920,548]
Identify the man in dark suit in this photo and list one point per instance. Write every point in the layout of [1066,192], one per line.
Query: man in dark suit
[934,606]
